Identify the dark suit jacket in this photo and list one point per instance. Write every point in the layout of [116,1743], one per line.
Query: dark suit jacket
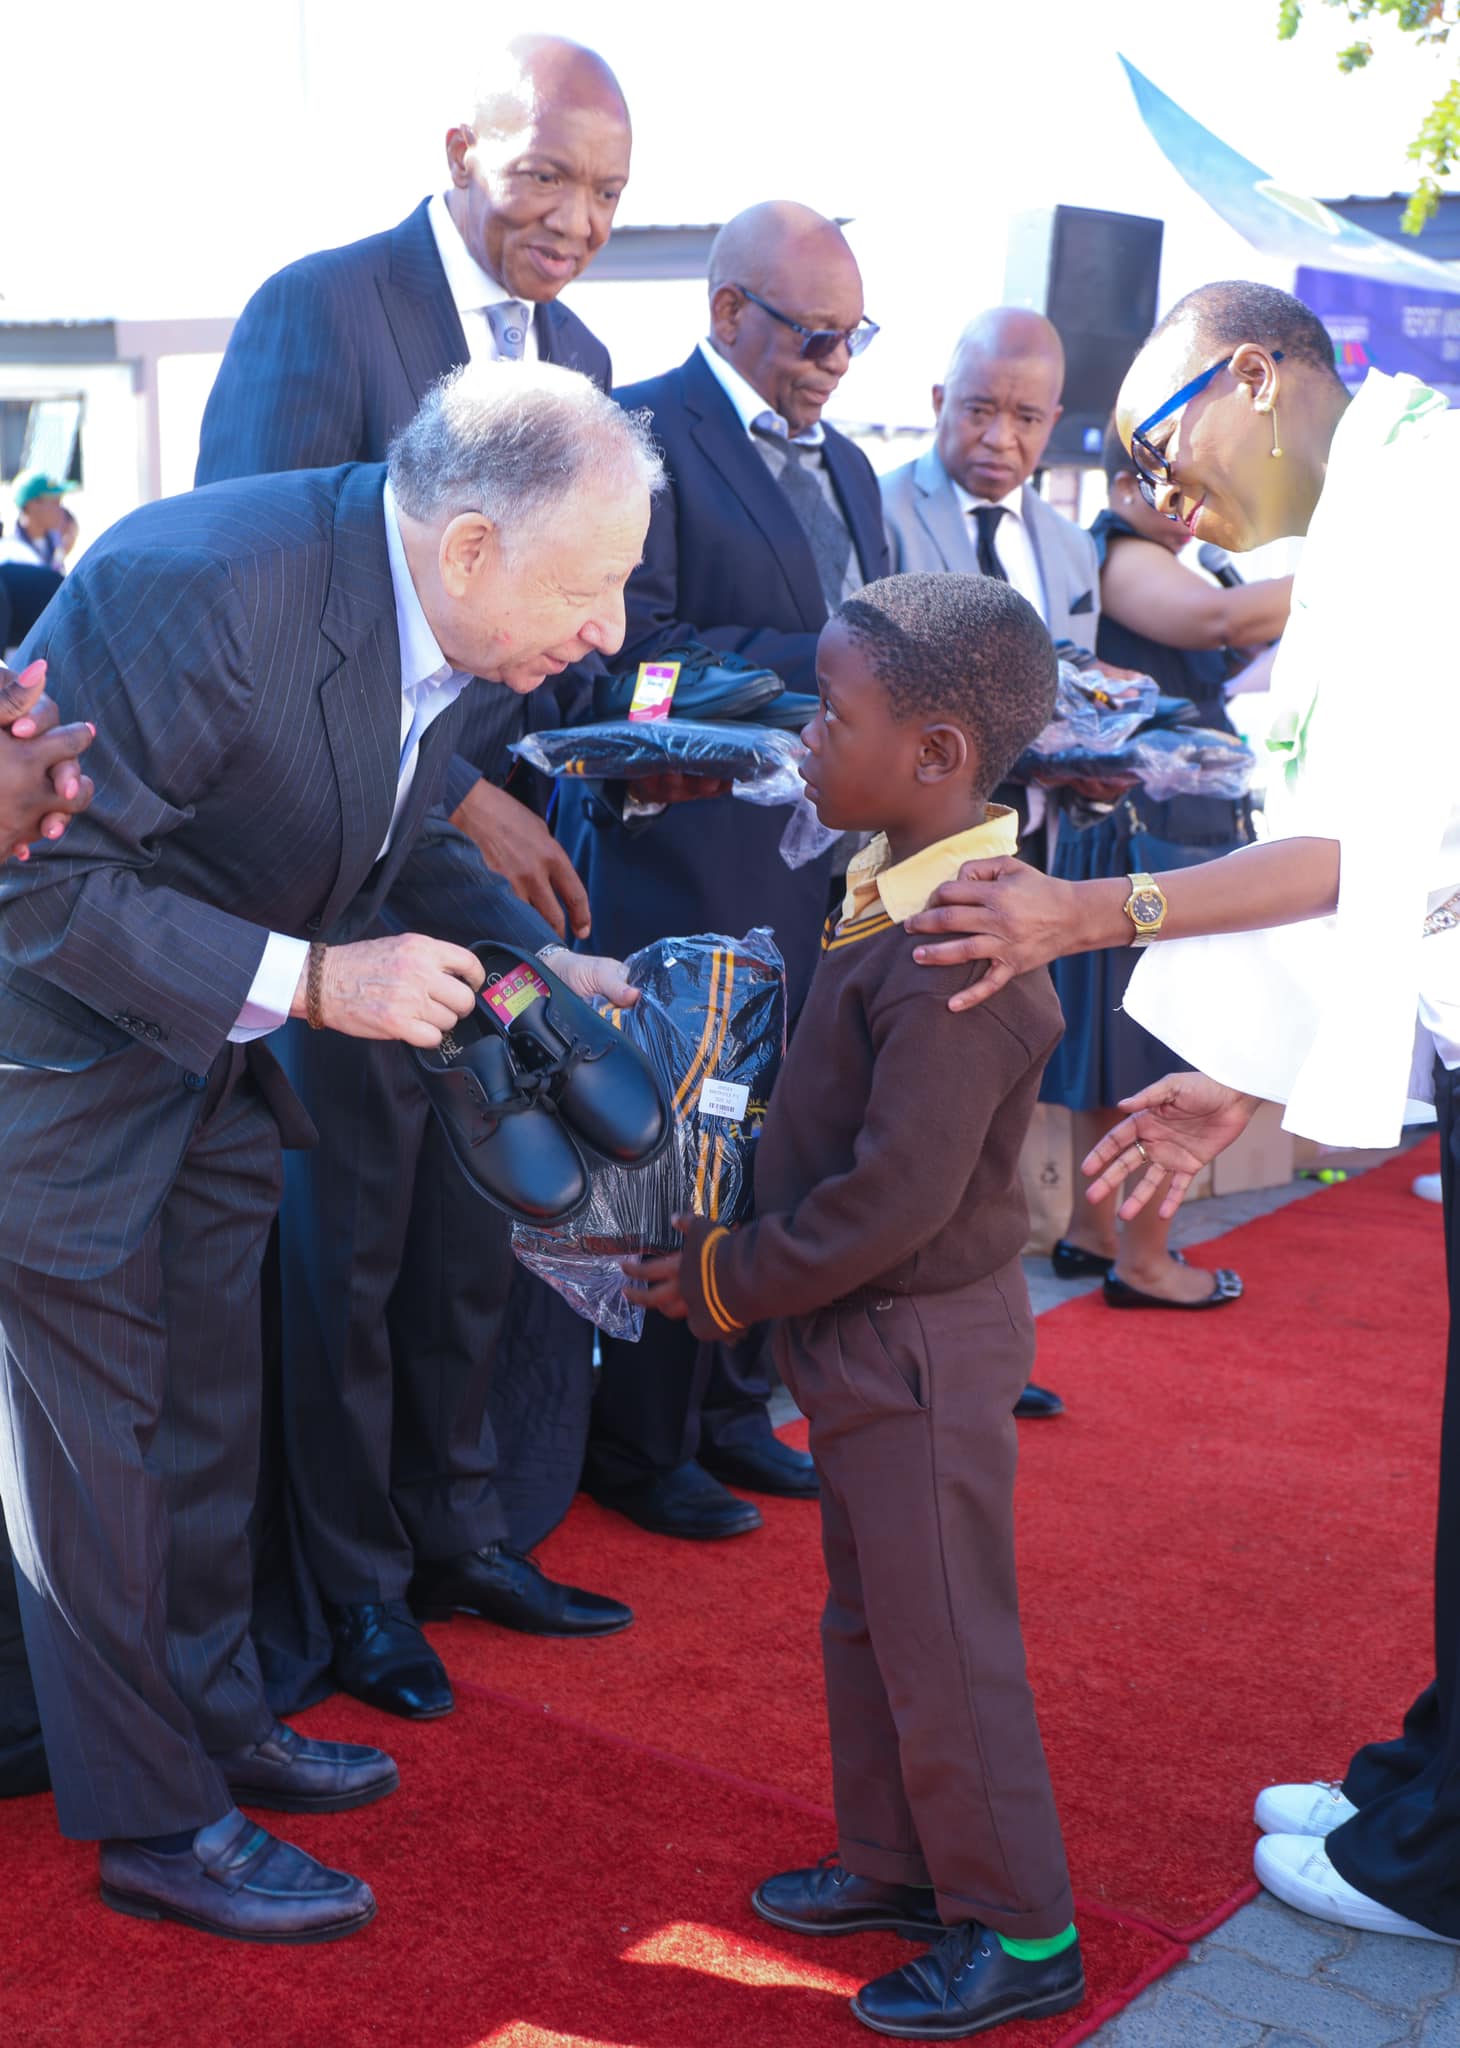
[330,359]
[237,651]
[727,562]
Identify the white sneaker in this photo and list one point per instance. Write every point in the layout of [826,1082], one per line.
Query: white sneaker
[1427,1187]
[1296,1869]
[1315,1809]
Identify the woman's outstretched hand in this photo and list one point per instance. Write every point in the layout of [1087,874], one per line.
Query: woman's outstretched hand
[1175,1126]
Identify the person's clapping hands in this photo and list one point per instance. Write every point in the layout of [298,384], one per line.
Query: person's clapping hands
[1174,1127]
[41,783]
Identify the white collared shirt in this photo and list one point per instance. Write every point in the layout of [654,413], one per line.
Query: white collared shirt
[429,685]
[752,409]
[472,289]
[1012,543]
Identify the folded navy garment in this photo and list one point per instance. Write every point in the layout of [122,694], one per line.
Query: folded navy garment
[755,758]
[711,1021]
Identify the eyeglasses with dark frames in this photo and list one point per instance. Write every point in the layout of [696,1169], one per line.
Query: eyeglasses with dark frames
[1158,476]
[817,343]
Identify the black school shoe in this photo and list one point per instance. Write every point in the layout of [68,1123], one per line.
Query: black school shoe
[965,1984]
[501,1125]
[601,1085]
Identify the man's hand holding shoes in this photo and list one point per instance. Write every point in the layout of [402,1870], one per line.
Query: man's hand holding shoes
[41,784]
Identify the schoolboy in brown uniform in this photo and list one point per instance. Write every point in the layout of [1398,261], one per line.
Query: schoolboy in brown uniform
[889,1223]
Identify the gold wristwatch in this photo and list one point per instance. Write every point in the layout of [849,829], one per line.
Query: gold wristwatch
[1146,908]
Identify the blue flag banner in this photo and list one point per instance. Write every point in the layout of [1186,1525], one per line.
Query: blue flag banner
[1386,327]
[1272,218]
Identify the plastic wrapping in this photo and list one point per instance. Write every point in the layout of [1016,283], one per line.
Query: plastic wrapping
[805,837]
[1128,735]
[1192,761]
[759,760]
[712,1021]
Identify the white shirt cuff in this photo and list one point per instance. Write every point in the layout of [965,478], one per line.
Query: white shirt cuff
[272,994]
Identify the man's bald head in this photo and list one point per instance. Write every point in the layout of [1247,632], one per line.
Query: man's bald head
[801,264]
[999,402]
[538,171]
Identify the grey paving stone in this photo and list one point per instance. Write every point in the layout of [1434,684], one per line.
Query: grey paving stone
[1286,2040]
[1167,2017]
[1440,2027]
[1250,1991]
[1396,1972]
[1281,1938]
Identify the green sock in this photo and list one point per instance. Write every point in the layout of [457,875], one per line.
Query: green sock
[1038,1951]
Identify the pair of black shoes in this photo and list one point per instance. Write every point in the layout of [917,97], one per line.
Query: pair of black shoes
[533,1085]
[692,1502]
[965,1983]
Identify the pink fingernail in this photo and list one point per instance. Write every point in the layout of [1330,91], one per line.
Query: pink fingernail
[91,728]
[54,831]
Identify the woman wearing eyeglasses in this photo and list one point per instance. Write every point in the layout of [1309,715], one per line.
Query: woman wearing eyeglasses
[1169,620]
[1241,433]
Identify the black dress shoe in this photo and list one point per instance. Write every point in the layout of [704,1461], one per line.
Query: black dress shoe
[239,1881]
[1035,1403]
[1226,1287]
[501,1585]
[768,1466]
[602,1086]
[382,1658]
[1073,1262]
[288,1773]
[965,1984]
[829,1899]
[501,1126]
[685,1502]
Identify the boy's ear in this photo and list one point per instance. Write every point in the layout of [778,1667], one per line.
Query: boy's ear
[943,751]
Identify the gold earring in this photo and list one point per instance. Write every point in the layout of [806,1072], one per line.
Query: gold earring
[1275,448]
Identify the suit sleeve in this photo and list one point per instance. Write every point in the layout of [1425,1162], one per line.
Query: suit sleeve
[86,914]
[288,393]
[654,622]
[446,890]
[937,1080]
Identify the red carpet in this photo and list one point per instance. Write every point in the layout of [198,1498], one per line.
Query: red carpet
[1225,1556]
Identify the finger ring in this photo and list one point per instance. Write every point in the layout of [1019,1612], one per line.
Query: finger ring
[1145,1155]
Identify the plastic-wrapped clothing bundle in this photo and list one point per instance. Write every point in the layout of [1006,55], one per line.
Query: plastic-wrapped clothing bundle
[759,760]
[711,1020]
[1129,735]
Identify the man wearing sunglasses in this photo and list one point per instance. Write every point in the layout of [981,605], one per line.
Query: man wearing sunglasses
[770,520]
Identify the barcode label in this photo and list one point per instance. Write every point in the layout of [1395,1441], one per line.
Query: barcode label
[724,1098]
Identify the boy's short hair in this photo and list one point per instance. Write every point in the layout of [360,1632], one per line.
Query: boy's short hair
[966,648]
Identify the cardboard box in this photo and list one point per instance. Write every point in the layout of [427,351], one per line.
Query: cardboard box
[1261,1158]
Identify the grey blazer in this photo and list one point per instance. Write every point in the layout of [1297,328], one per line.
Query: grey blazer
[237,651]
[927,529]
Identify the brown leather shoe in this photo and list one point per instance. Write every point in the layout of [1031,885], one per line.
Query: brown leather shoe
[236,1880]
[830,1899]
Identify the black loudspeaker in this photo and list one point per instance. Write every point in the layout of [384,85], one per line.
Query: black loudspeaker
[1095,275]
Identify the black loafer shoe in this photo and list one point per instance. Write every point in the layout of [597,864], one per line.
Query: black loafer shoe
[685,1502]
[288,1773]
[603,1086]
[500,1124]
[1073,1262]
[965,1984]
[768,1466]
[498,1584]
[829,1899]
[382,1658]
[1036,1403]
[1226,1287]
[236,1880]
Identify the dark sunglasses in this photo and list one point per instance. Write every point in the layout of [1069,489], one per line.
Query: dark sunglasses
[817,343]
[1158,476]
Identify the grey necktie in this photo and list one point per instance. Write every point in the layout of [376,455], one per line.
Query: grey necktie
[831,544]
[507,319]
[987,518]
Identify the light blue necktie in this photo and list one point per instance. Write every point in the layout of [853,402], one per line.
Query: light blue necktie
[507,319]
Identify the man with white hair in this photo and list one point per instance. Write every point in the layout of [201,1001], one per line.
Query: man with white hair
[262,786]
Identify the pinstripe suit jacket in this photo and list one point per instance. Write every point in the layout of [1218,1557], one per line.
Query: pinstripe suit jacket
[237,652]
[330,358]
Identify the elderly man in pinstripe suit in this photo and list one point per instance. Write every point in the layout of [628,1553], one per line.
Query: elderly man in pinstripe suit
[273,668]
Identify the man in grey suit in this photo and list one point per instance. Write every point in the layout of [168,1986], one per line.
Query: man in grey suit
[273,668]
[968,503]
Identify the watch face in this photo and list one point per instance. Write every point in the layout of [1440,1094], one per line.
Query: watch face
[1146,906]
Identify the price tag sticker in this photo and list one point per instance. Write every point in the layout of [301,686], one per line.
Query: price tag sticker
[514,993]
[654,690]
[724,1098]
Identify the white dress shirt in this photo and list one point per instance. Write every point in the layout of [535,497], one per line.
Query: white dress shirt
[472,288]
[1341,1018]
[429,686]
[753,411]
[1012,543]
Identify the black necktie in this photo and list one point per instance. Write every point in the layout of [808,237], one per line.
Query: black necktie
[987,519]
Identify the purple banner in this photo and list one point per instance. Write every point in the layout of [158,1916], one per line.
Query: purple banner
[1387,327]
